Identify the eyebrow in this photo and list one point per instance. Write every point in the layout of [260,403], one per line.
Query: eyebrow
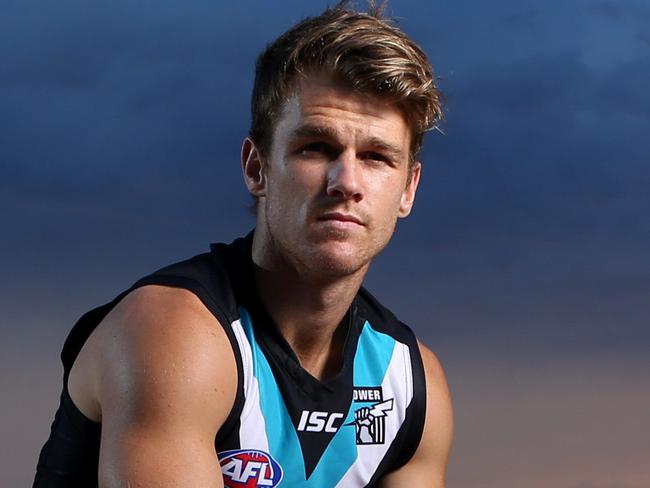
[321,131]
[316,131]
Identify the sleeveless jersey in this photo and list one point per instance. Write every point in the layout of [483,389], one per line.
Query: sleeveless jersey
[286,427]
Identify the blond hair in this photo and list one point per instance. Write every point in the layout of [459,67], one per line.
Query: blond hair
[363,51]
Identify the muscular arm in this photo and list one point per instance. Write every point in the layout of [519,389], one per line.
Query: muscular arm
[166,382]
[426,469]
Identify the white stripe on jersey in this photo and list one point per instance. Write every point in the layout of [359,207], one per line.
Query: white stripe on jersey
[398,385]
[252,430]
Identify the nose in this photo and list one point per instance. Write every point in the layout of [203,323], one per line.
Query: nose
[344,178]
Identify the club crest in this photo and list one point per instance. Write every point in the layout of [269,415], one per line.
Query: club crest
[370,419]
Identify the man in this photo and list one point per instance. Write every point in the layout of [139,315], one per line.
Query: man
[264,362]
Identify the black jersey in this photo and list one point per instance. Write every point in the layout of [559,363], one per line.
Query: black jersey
[286,427]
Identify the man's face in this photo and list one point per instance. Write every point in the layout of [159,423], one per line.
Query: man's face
[336,179]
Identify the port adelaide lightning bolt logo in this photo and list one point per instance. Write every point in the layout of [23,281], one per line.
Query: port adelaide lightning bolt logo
[370,419]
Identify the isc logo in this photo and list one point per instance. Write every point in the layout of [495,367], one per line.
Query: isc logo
[249,468]
[316,421]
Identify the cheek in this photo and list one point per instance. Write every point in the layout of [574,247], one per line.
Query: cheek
[290,193]
[303,185]
[389,194]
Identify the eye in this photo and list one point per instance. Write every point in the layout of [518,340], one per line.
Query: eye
[314,147]
[375,157]
[317,149]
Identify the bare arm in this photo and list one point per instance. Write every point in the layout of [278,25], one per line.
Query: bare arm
[427,467]
[166,382]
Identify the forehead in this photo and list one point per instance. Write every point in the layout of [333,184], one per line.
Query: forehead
[320,101]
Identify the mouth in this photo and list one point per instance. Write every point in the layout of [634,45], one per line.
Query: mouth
[342,218]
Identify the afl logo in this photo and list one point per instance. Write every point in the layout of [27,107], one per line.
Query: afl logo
[249,468]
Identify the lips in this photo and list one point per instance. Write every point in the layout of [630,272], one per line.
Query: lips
[341,217]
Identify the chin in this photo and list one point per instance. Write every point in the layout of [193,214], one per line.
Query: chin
[338,261]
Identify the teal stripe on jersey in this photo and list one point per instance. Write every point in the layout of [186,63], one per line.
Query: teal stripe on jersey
[280,432]
[374,352]
[373,355]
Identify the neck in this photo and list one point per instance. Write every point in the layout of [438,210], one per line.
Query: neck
[307,311]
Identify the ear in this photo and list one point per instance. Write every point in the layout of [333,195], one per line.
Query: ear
[253,168]
[408,195]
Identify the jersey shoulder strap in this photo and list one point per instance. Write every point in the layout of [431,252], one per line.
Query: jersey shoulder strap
[409,435]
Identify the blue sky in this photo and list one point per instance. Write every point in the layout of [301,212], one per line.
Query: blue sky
[527,250]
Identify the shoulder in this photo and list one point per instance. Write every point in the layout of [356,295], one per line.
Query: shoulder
[428,465]
[160,348]
[160,319]
[437,437]
[433,371]
[439,411]
[161,309]
[164,378]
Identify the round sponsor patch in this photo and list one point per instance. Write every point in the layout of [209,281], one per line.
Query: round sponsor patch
[249,468]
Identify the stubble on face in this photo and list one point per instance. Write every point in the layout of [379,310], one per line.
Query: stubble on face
[317,179]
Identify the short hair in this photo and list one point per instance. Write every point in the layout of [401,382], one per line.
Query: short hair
[364,51]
